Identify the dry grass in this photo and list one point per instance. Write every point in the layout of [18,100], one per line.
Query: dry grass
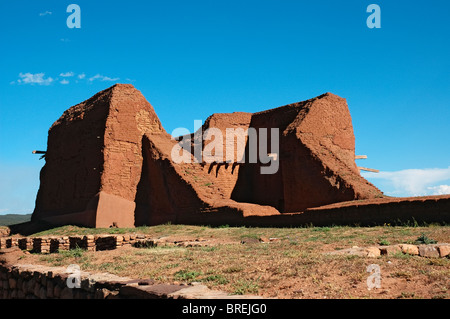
[294,266]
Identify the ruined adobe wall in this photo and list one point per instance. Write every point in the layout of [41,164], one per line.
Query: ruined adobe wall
[94,160]
[71,175]
[130,117]
[379,211]
[183,192]
[265,189]
[317,157]
[100,173]
[169,191]
[21,281]
[162,193]
[225,174]
[325,125]
[370,212]
[327,131]
[319,151]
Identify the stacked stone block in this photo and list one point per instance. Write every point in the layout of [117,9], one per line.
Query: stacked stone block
[41,282]
[428,251]
[90,242]
[64,243]
[55,244]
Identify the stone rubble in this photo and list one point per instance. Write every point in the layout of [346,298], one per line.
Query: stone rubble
[430,251]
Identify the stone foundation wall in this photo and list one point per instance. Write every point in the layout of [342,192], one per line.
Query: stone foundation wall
[40,282]
[428,251]
[55,244]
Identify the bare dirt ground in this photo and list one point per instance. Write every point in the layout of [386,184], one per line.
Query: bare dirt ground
[287,263]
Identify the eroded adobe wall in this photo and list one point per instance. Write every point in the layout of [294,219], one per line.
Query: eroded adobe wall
[318,150]
[130,117]
[381,211]
[252,186]
[163,194]
[94,160]
[71,175]
[220,166]
[326,131]
[316,158]
[109,164]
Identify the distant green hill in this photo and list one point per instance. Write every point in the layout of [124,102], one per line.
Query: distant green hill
[11,219]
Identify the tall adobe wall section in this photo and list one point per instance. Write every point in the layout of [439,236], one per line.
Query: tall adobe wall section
[71,176]
[94,159]
[214,156]
[316,157]
[318,152]
[130,117]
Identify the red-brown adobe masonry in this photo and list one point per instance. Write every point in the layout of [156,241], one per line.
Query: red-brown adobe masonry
[109,163]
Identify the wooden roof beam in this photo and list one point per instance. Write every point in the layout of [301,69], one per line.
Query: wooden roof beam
[368,169]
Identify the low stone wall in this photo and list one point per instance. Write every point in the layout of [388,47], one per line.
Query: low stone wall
[428,251]
[53,244]
[23,281]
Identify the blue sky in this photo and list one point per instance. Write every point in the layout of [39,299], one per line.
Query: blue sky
[194,58]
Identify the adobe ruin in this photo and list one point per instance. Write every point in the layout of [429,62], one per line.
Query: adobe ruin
[109,163]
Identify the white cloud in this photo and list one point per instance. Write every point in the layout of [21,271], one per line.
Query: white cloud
[38,78]
[102,78]
[67,74]
[412,182]
[440,190]
[45,13]
[65,40]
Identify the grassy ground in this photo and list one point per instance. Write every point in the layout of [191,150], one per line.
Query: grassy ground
[294,266]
